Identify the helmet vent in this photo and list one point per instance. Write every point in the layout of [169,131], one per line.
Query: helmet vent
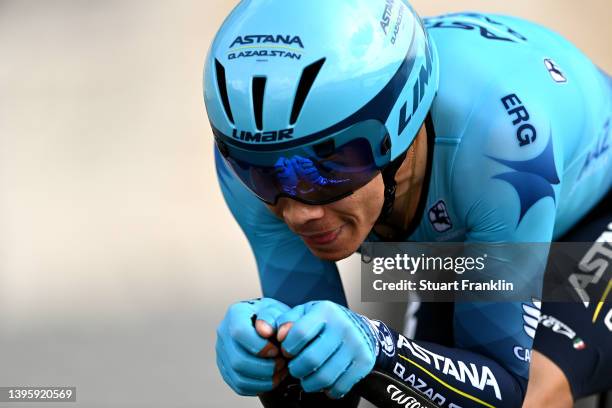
[308,77]
[221,83]
[259,86]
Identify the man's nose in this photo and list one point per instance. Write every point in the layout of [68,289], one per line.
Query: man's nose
[297,213]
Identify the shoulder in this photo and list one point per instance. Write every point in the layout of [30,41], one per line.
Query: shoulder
[495,113]
[493,97]
[251,214]
[502,55]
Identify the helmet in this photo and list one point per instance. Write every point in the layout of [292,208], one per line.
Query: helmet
[311,99]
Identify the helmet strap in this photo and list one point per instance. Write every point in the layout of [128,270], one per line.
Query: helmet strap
[389,172]
[388,175]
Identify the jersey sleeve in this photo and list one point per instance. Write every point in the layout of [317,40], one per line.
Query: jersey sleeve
[449,377]
[505,183]
[288,271]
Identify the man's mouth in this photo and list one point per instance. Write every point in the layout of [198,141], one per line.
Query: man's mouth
[322,238]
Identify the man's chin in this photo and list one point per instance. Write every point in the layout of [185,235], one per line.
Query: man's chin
[333,253]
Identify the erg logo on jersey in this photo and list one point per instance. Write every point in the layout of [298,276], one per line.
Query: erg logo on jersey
[525,133]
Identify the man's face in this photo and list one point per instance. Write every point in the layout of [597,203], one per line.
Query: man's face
[334,231]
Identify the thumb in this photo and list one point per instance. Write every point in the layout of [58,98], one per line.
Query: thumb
[291,315]
[270,314]
[284,321]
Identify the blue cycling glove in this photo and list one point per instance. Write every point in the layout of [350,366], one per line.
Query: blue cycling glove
[245,358]
[331,348]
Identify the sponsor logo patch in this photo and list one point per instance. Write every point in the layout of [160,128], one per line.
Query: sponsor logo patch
[262,46]
[403,400]
[385,20]
[385,338]
[579,344]
[439,218]
[554,71]
[289,40]
[263,137]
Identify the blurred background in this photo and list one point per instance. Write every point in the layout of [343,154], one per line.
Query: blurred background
[118,257]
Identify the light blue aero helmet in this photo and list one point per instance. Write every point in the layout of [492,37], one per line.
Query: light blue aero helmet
[311,99]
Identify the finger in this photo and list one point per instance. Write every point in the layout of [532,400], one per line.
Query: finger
[343,384]
[327,375]
[303,332]
[243,385]
[241,328]
[291,315]
[314,355]
[222,370]
[264,329]
[249,387]
[271,313]
[236,358]
[283,330]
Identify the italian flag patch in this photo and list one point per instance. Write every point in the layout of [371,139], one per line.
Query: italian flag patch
[579,344]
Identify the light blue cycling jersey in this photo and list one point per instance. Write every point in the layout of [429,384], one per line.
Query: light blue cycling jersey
[521,153]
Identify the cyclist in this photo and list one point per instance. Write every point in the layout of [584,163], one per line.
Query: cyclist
[349,121]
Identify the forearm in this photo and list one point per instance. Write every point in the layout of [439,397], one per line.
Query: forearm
[548,386]
[449,377]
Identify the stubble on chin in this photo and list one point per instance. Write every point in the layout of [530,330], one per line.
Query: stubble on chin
[338,252]
[332,256]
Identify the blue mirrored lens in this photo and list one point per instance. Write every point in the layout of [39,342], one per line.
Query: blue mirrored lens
[304,176]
